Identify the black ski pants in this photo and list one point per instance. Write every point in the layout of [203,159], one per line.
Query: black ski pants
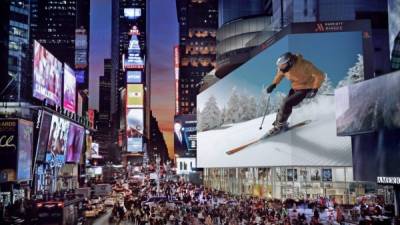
[294,98]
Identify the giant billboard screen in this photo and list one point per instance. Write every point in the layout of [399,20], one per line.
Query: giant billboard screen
[57,144]
[43,138]
[25,147]
[69,89]
[47,75]
[359,111]
[185,140]
[135,96]
[230,112]
[134,129]
[76,135]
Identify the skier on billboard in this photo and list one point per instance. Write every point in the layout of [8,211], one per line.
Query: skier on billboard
[305,80]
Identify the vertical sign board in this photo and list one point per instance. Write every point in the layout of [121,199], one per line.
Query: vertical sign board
[25,145]
[8,149]
[176,70]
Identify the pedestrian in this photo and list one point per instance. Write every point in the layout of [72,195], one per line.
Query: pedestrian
[305,80]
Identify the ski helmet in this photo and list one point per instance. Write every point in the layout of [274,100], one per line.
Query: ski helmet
[287,58]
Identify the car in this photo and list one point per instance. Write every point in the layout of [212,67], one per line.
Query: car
[109,202]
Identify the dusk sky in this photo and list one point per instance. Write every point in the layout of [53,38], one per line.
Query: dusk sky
[163,36]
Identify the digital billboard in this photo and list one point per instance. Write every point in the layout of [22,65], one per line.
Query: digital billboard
[230,112]
[69,89]
[132,13]
[80,76]
[43,138]
[135,96]
[185,140]
[134,129]
[81,46]
[134,59]
[360,111]
[133,77]
[57,144]
[74,143]
[94,150]
[135,144]
[47,75]
[25,147]
[8,149]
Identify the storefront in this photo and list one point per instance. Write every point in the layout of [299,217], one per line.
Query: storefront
[290,182]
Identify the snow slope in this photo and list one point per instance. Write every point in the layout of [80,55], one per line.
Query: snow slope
[315,144]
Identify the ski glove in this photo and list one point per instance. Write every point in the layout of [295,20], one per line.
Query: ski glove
[312,93]
[271,88]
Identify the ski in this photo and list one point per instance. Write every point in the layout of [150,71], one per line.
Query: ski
[237,149]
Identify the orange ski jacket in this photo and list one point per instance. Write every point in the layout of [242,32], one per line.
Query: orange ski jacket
[303,75]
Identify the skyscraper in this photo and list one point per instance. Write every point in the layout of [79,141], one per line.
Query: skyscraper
[54,24]
[14,51]
[290,11]
[129,41]
[197,41]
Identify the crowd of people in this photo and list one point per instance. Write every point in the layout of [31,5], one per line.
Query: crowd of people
[182,203]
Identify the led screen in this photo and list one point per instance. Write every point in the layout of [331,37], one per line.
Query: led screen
[57,144]
[394,27]
[25,144]
[94,150]
[47,75]
[230,112]
[135,96]
[80,76]
[69,89]
[75,143]
[133,77]
[185,140]
[134,129]
[132,13]
[43,139]
[369,106]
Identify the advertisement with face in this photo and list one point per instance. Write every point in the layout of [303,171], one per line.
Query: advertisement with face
[185,139]
[57,144]
[47,75]
[359,111]
[69,89]
[25,144]
[43,139]
[134,126]
[135,96]
[75,143]
[231,111]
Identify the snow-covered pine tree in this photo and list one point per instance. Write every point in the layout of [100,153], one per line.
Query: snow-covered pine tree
[354,74]
[210,117]
[326,87]
[232,111]
[262,103]
[252,113]
[276,102]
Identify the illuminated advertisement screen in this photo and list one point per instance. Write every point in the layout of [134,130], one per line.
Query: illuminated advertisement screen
[47,75]
[69,89]
[25,148]
[8,147]
[135,96]
[231,111]
[185,138]
[75,143]
[134,129]
[57,144]
[133,77]
[94,150]
[358,111]
[132,13]
[80,76]
[43,138]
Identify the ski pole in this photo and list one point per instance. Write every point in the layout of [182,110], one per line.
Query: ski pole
[265,113]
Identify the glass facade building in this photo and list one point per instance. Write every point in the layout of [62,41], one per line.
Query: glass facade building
[290,183]
[230,10]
